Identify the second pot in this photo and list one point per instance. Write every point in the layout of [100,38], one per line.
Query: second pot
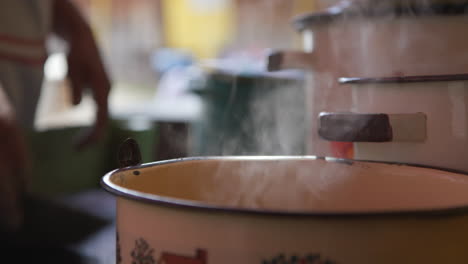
[418,119]
[379,38]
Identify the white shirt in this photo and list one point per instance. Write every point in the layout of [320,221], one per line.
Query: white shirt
[24,26]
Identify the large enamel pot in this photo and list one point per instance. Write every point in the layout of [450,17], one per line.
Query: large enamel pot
[289,210]
[383,38]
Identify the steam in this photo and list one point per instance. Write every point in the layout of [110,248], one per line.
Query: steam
[265,117]
[278,122]
[278,119]
[276,184]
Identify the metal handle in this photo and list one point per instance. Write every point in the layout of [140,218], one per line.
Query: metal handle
[349,127]
[356,127]
[129,153]
[280,60]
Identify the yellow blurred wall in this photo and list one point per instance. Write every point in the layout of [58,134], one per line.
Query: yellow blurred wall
[303,6]
[205,26]
[201,26]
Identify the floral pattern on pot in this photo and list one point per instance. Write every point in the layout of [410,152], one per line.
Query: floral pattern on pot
[142,253]
[118,256]
[295,259]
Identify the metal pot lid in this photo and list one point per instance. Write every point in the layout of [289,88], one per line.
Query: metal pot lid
[404,79]
[347,9]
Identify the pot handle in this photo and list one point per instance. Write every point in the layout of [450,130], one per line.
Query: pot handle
[129,153]
[281,60]
[357,127]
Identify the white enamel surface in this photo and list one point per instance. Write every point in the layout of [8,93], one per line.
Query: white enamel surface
[300,185]
[443,103]
[387,46]
[408,127]
[379,47]
[234,237]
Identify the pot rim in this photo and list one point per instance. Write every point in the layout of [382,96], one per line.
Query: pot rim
[178,203]
[193,205]
[353,11]
[405,79]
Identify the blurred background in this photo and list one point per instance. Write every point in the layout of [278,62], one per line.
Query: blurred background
[188,79]
[191,78]
[163,56]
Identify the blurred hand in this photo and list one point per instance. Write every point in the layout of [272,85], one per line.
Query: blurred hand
[85,67]
[86,70]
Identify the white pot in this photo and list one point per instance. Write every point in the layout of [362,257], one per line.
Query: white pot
[383,39]
[426,120]
[288,209]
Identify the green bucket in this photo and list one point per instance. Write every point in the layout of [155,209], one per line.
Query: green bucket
[58,169]
[250,114]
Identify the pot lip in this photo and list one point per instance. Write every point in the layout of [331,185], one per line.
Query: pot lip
[176,203]
[352,11]
[405,79]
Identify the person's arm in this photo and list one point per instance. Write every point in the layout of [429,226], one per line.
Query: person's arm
[85,66]
[14,168]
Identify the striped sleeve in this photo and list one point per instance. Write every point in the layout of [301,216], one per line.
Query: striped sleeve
[24,25]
